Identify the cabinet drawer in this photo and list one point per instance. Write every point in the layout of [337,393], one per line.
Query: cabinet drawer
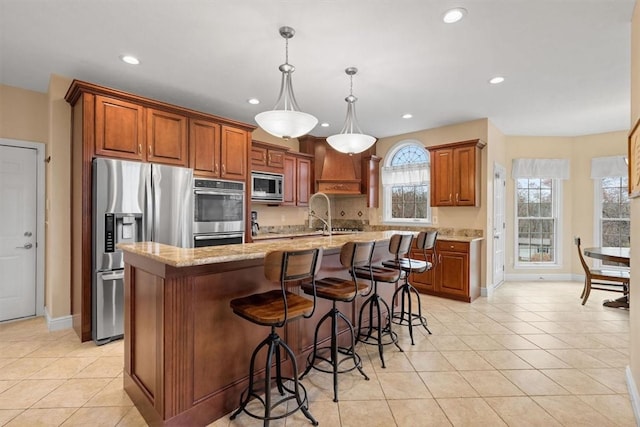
[446,245]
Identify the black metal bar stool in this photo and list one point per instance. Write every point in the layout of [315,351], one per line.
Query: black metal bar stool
[275,309]
[425,241]
[352,254]
[379,331]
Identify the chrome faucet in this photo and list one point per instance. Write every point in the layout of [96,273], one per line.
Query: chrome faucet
[325,228]
[312,214]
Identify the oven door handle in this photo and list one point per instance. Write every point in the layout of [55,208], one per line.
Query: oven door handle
[221,193]
[217,235]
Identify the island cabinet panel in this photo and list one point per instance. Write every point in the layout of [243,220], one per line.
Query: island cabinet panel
[119,129]
[455,169]
[455,273]
[167,138]
[234,145]
[204,148]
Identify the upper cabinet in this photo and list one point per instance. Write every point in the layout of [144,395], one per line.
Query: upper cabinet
[119,129]
[455,170]
[234,145]
[371,179]
[204,148]
[166,138]
[297,179]
[267,157]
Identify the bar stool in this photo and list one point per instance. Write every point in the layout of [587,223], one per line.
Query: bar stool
[352,254]
[275,309]
[425,241]
[380,333]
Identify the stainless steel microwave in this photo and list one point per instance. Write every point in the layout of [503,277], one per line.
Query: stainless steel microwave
[267,187]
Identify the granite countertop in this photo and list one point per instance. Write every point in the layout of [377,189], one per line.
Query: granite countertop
[187,257]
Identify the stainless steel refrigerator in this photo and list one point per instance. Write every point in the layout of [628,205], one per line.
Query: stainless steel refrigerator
[132,202]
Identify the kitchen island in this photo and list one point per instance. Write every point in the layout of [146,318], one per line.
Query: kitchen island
[186,353]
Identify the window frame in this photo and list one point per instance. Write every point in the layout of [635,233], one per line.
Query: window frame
[557,211]
[387,194]
[597,221]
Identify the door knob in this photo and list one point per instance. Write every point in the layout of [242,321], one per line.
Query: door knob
[26,246]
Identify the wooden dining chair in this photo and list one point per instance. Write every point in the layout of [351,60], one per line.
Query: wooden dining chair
[604,280]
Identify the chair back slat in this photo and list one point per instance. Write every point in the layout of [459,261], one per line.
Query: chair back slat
[355,254]
[585,266]
[399,244]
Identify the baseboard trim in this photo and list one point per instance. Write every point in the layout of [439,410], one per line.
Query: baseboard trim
[58,323]
[533,277]
[633,394]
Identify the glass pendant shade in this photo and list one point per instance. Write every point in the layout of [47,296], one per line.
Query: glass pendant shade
[286,120]
[351,140]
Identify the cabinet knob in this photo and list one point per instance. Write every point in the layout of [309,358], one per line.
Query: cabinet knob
[215,169]
[224,170]
[457,198]
[149,150]
[450,198]
[139,148]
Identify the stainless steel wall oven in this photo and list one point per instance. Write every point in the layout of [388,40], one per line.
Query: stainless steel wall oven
[218,213]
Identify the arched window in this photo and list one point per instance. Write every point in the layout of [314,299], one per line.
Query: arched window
[405,182]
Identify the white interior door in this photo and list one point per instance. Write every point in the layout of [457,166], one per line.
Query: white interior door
[18,227]
[499,224]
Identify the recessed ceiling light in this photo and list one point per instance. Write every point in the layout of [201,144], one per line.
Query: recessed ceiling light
[496,80]
[324,125]
[132,60]
[454,15]
[253,101]
[407,116]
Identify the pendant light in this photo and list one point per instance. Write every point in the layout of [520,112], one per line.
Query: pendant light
[351,139]
[286,120]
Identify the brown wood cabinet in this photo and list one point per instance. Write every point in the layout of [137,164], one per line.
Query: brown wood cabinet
[371,179]
[204,148]
[455,170]
[166,138]
[267,157]
[111,123]
[234,145]
[297,179]
[456,273]
[119,129]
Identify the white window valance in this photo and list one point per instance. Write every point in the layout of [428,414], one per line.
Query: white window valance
[412,174]
[602,167]
[540,168]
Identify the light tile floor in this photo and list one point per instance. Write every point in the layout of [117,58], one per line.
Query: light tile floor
[530,355]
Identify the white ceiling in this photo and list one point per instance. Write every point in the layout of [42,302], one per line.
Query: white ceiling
[566,62]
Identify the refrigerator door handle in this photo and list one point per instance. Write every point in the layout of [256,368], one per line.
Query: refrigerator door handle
[116,275]
[149,208]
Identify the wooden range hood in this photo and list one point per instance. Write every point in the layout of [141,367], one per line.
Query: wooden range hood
[339,173]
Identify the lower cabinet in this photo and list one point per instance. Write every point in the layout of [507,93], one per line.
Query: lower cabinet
[456,271]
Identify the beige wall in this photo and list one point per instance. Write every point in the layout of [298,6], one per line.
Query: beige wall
[23,114]
[58,275]
[634,331]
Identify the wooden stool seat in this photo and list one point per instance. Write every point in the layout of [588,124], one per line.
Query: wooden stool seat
[336,289]
[408,265]
[378,274]
[268,308]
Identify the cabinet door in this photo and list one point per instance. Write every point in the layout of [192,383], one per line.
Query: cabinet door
[464,160]
[442,177]
[166,138]
[204,148]
[233,151]
[370,179]
[453,273]
[119,129]
[289,184]
[424,281]
[275,158]
[303,184]
[258,157]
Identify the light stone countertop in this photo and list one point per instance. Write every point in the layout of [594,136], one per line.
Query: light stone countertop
[186,257]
